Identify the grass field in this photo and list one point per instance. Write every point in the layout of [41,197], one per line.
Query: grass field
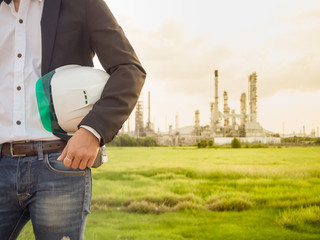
[190,193]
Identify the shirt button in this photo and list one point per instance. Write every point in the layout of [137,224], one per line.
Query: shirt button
[19,55]
[20,21]
[18,88]
[18,122]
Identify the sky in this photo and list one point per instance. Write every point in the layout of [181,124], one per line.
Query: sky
[181,43]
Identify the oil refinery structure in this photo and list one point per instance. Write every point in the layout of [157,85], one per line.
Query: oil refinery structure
[224,125]
[229,124]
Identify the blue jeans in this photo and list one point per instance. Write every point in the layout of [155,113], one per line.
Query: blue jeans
[55,198]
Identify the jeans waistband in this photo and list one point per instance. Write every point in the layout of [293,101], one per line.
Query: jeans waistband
[31,148]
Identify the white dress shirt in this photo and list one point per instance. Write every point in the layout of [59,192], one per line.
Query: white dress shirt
[20,68]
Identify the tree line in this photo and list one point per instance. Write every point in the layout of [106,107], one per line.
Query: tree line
[127,141]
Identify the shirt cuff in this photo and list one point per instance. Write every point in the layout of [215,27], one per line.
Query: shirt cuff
[94,132]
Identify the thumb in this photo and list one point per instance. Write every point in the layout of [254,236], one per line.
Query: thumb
[63,154]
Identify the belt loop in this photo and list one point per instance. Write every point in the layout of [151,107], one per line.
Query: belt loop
[40,151]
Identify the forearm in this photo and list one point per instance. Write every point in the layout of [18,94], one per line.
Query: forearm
[126,73]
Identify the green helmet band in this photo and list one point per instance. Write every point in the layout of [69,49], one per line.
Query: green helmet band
[45,105]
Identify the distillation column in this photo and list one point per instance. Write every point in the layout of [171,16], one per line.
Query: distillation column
[216,103]
[243,104]
[252,126]
[226,109]
[216,96]
[234,120]
[253,97]
[243,118]
[139,124]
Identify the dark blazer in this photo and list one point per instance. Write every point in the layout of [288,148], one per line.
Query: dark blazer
[73,31]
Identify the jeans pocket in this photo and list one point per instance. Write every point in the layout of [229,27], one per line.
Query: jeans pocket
[58,167]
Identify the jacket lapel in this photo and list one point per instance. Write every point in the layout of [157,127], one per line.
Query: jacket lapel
[49,23]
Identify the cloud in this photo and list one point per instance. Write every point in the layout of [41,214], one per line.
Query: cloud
[284,56]
[293,60]
[183,64]
[278,40]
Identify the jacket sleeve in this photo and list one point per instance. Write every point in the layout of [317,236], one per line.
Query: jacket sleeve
[118,58]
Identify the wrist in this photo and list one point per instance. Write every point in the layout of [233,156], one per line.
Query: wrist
[92,131]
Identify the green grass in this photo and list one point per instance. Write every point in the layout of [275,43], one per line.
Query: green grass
[301,219]
[190,193]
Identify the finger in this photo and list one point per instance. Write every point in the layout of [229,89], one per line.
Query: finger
[63,154]
[83,164]
[90,162]
[67,161]
[75,162]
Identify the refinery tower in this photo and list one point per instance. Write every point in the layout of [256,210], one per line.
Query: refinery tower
[228,123]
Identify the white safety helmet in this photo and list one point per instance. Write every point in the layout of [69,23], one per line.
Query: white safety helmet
[66,95]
